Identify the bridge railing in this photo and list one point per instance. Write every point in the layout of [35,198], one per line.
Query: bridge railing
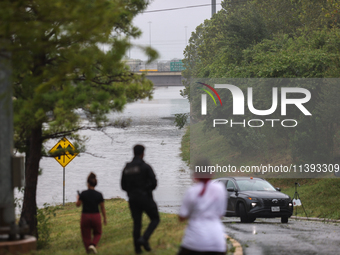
[174,65]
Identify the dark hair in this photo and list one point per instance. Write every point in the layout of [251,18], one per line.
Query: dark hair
[138,150]
[91,179]
[203,176]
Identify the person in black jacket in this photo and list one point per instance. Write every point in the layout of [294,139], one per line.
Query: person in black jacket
[139,180]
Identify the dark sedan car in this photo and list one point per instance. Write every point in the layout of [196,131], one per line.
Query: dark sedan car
[250,198]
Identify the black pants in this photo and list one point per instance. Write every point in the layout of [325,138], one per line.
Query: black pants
[185,251]
[140,203]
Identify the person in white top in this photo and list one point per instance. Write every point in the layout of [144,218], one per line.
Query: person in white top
[203,206]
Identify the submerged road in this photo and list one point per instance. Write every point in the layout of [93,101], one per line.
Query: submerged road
[271,237]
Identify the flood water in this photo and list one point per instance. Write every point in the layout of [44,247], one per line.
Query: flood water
[153,126]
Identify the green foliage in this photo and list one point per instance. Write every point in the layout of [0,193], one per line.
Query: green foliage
[253,140]
[311,55]
[220,47]
[61,74]
[272,39]
[220,41]
[59,65]
[308,143]
[181,119]
[44,216]
[316,139]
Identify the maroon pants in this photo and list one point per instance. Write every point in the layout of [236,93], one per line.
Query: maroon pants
[89,222]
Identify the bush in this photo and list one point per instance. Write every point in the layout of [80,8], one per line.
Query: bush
[181,119]
[44,225]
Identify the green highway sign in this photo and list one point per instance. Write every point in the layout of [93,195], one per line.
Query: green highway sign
[176,66]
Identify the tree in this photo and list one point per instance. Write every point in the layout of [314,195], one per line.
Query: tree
[271,39]
[59,70]
[219,42]
[309,55]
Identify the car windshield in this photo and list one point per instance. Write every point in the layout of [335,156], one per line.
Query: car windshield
[254,185]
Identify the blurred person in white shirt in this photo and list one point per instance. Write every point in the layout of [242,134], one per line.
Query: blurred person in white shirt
[203,205]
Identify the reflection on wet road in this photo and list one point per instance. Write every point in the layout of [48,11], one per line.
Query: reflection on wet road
[270,236]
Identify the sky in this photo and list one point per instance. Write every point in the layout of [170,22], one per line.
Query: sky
[170,30]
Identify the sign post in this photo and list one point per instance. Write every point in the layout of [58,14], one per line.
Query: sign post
[65,157]
[63,186]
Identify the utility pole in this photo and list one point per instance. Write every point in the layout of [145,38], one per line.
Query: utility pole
[213,7]
[149,42]
[11,169]
[7,213]
[149,33]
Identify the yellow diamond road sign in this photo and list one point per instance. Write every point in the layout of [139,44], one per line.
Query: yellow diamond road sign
[67,157]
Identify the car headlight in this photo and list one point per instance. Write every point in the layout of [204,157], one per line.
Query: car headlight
[290,204]
[253,205]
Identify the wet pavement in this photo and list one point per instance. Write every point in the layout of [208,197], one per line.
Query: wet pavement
[270,236]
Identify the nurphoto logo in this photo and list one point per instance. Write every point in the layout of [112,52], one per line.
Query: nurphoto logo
[239,105]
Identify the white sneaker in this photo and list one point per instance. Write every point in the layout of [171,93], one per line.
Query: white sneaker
[92,249]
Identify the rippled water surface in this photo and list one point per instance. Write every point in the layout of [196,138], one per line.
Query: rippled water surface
[153,126]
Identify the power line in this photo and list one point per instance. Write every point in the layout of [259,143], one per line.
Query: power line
[179,8]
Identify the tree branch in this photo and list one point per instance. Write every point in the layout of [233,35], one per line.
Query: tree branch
[62,133]
[94,155]
[69,132]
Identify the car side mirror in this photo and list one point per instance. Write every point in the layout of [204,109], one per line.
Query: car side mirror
[278,189]
[233,190]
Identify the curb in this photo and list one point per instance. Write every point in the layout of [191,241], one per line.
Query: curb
[315,219]
[237,245]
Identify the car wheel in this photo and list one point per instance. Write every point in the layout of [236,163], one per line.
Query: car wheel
[243,214]
[284,219]
[251,219]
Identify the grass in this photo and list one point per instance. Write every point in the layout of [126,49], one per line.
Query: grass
[117,235]
[318,196]
[214,146]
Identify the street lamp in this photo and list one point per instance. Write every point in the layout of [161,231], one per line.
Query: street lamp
[149,33]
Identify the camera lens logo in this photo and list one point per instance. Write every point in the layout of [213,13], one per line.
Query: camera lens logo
[204,97]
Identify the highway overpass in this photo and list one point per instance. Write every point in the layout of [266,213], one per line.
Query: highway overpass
[165,78]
